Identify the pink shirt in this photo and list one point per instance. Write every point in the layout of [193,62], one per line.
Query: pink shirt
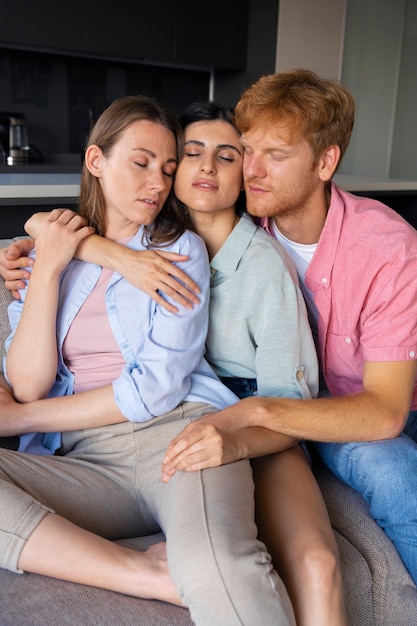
[90,349]
[363,277]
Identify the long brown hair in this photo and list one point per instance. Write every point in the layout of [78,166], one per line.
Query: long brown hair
[170,222]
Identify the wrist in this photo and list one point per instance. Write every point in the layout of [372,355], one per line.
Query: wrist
[258,415]
[46,270]
[114,256]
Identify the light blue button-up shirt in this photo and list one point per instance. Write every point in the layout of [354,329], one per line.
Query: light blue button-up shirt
[163,352]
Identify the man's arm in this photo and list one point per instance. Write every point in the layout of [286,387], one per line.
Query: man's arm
[201,445]
[378,412]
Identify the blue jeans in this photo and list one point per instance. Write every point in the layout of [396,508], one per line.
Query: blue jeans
[242,387]
[385,473]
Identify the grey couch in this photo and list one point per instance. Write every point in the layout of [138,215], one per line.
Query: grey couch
[378,589]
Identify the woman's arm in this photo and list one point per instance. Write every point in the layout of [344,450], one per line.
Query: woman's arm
[150,271]
[88,409]
[162,360]
[32,355]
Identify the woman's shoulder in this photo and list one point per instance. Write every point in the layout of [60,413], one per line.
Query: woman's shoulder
[188,241]
[267,247]
[268,255]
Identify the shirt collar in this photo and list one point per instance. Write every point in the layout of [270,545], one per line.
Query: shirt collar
[228,257]
[320,268]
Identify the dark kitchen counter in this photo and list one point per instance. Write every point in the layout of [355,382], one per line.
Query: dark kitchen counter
[52,164]
[36,187]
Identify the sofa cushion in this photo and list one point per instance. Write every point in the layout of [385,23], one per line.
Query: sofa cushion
[34,600]
[378,588]
[5,299]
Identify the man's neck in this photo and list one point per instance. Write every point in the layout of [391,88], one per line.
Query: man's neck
[305,224]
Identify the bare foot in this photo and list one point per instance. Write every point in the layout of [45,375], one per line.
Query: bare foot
[160,585]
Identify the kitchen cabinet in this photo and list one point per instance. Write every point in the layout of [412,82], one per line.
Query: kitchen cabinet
[43,24]
[216,37]
[130,29]
[170,31]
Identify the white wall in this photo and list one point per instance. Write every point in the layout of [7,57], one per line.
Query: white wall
[371,47]
[404,148]
[311,36]
[371,70]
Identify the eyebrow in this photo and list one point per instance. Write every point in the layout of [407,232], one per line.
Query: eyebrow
[220,146]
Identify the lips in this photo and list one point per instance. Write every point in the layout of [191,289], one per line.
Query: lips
[204,185]
[254,189]
[152,204]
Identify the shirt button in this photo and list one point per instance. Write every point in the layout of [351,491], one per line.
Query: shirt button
[324,281]
[412,354]
[212,271]
[348,340]
[300,375]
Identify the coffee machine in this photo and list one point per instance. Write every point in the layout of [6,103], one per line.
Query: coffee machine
[14,143]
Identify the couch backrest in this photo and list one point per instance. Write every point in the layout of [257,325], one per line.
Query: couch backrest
[5,299]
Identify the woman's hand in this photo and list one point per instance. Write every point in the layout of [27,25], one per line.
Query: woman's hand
[151,271]
[199,446]
[154,271]
[66,226]
[12,261]
[58,238]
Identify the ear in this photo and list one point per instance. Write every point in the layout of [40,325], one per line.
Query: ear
[328,163]
[93,160]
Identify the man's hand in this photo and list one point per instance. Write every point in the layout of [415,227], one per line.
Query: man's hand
[12,260]
[199,446]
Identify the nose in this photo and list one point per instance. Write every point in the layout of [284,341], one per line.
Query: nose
[158,180]
[208,166]
[252,167]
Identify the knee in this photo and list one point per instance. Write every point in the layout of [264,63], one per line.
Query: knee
[319,567]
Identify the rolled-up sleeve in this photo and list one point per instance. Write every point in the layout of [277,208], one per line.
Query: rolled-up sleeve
[162,353]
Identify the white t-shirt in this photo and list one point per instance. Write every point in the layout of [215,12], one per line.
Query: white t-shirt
[301,254]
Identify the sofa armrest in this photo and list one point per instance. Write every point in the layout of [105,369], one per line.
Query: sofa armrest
[393,595]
